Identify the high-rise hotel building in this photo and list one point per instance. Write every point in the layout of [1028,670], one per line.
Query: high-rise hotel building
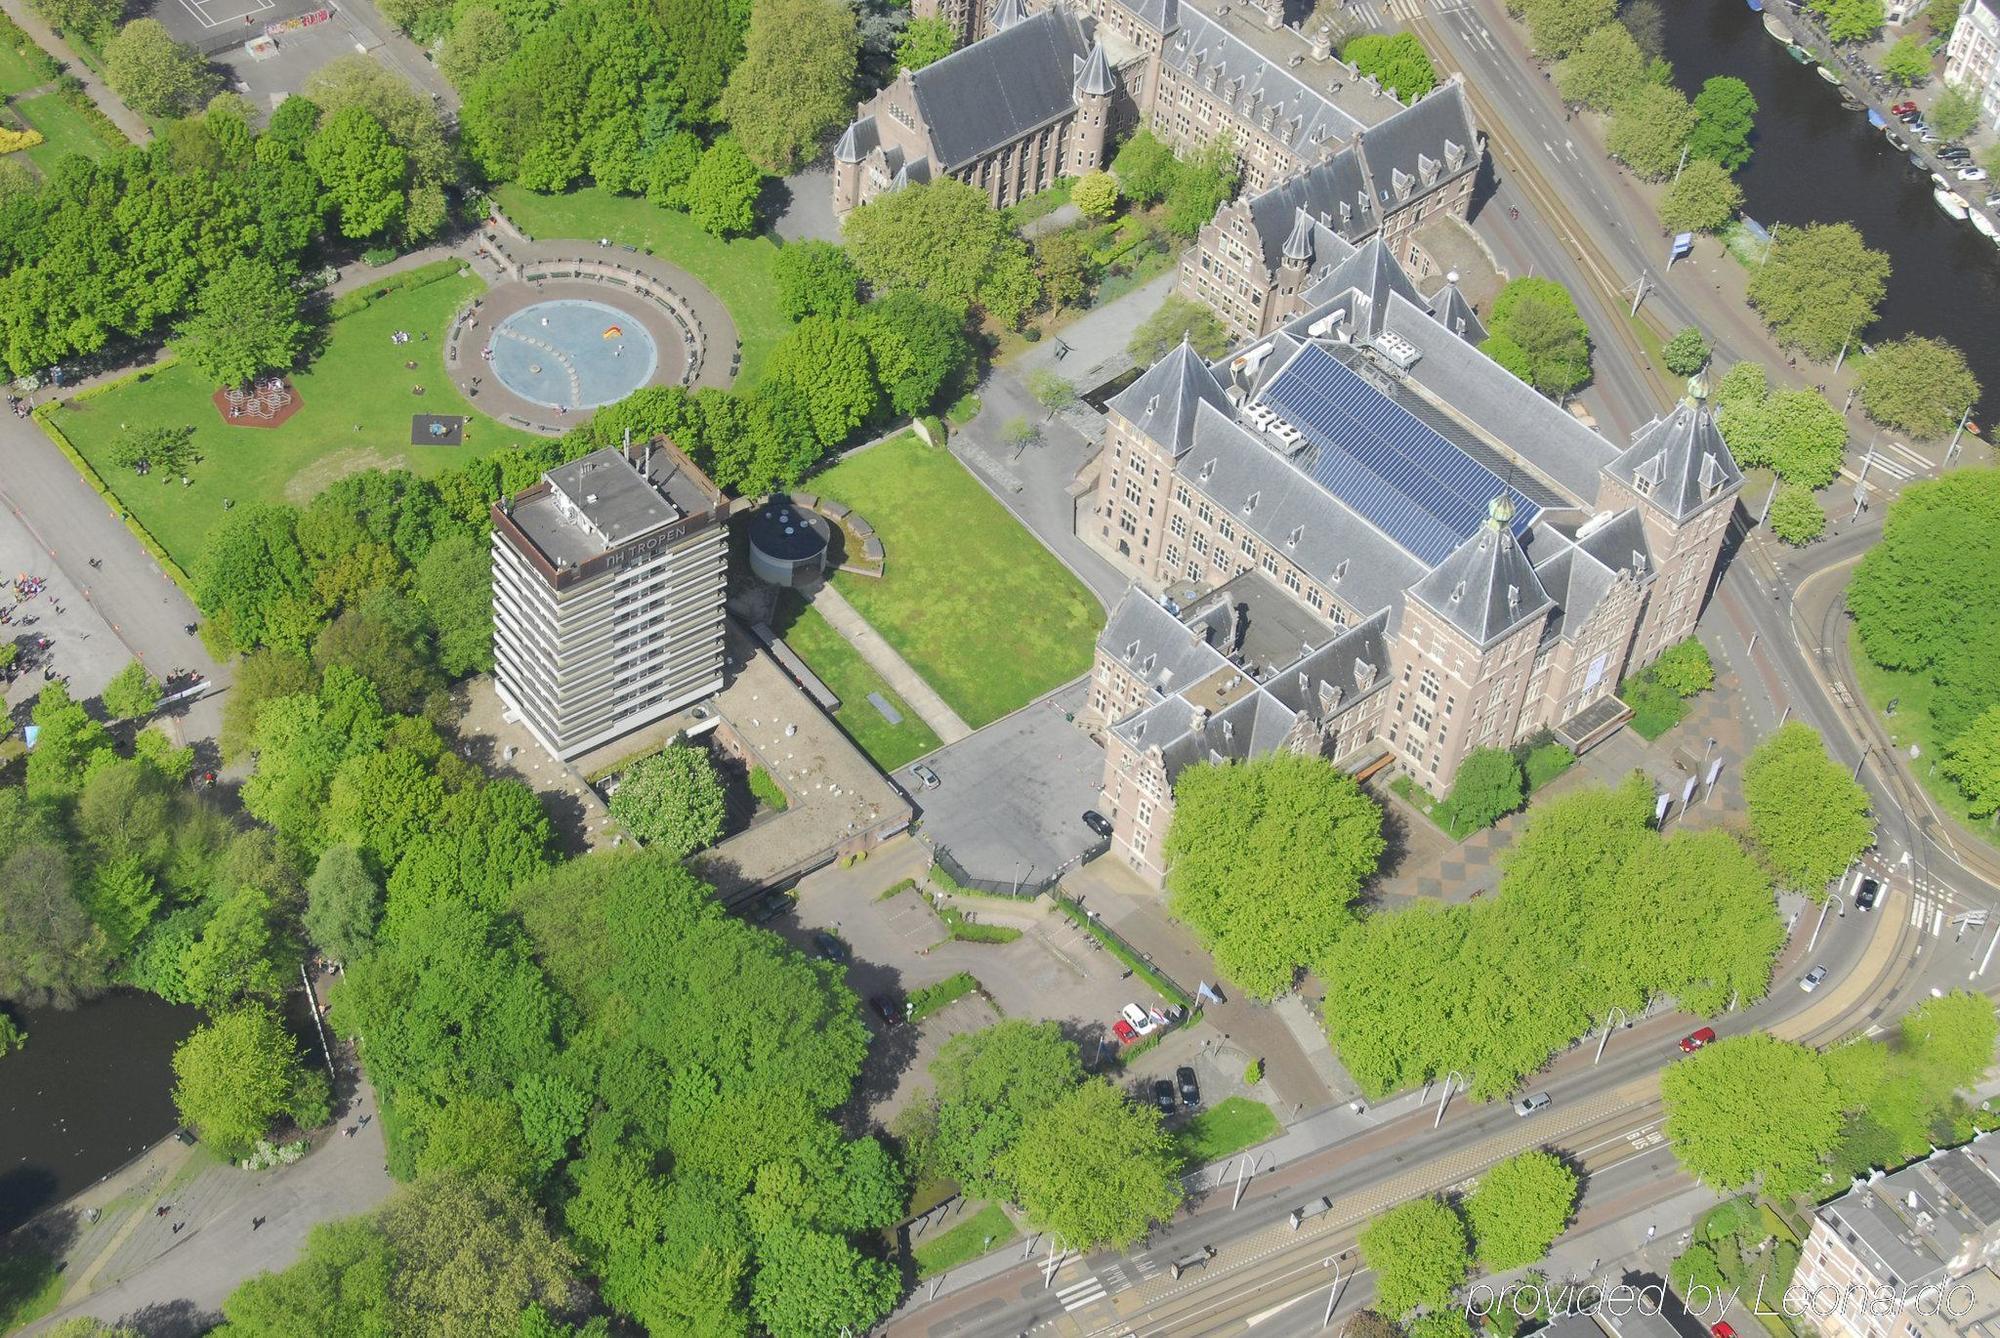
[607,595]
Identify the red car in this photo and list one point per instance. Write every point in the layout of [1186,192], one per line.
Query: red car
[1124,1031]
[1722,1329]
[1693,1042]
[1901,109]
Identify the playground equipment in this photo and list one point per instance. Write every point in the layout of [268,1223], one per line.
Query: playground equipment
[264,399]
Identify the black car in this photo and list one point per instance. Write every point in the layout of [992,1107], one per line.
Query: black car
[770,906]
[829,947]
[1190,1089]
[1949,154]
[1097,822]
[1163,1096]
[891,1008]
[1867,894]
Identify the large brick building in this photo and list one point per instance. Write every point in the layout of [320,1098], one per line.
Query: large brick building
[1036,96]
[1461,563]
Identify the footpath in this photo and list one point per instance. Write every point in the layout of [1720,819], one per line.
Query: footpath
[113,106]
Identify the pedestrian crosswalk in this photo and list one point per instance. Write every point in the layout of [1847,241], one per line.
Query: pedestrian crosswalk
[1080,1294]
[1928,912]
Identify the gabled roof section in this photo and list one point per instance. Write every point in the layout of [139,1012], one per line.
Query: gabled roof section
[1299,242]
[1159,649]
[1618,542]
[1486,588]
[857,141]
[1162,16]
[1679,463]
[1450,309]
[1508,409]
[1162,402]
[1001,87]
[1428,143]
[1334,192]
[1374,277]
[1576,580]
[1303,118]
[1096,78]
[1005,14]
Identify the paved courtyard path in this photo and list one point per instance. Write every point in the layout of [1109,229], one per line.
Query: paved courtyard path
[884,659]
[39,32]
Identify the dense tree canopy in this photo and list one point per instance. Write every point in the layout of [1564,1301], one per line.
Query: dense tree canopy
[1703,198]
[1605,69]
[816,279]
[1796,515]
[1094,1168]
[795,82]
[1519,1208]
[1820,287]
[1851,20]
[671,799]
[989,1084]
[235,1077]
[1262,860]
[1418,1252]
[946,241]
[1753,1109]
[1921,386]
[1649,129]
[926,41]
[1397,60]
[246,322]
[1973,761]
[1725,118]
[1559,27]
[1176,319]
[155,74]
[1794,432]
[1907,62]
[1810,818]
[1537,334]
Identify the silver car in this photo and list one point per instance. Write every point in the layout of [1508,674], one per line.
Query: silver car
[1529,1105]
[1810,981]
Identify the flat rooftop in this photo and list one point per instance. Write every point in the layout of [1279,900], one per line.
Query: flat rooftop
[602,501]
[1272,629]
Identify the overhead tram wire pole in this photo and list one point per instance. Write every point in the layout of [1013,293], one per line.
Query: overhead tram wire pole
[1333,1293]
[1444,1097]
[1821,923]
[1624,1017]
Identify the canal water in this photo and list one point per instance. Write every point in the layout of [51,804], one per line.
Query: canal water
[91,1090]
[1817,162]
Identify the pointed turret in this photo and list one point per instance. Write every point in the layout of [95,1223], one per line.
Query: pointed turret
[1096,80]
[1486,587]
[1163,403]
[1679,463]
[1299,246]
[1006,13]
[1450,309]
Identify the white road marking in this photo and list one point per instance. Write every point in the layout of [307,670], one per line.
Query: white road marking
[1080,1294]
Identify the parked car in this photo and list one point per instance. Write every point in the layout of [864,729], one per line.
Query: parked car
[1163,1096]
[925,776]
[1909,117]
[1190,1089]
[1529,1105]
[1972,174]
[1870,890]
[1927,135]
[1694,1040]
[770,906]
[1722,1329]
[1097,822]
[1902,109]
[831,948]
[1810,981]
[1124,1031]
[1993,199]
[893,1009]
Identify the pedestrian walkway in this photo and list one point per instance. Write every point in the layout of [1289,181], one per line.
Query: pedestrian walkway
[122,116]
[884,659]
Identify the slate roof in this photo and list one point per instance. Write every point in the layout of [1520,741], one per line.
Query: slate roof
[1319,190]
[1450,309]
[1421,140]
[1912,1225]
[1576,580]
[1619,543]
[1159,649]
[1162,16]
[1487,587]
[857,141]
[1162,402]
[1000,88]
[1096,78]
[1505,407]
[1371,275]
[1679,461]
[1306,117]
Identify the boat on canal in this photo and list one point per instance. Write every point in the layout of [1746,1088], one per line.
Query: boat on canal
[1985,226]
[1826,74]
[1756,6]
[1775,26]
[1897,142]
[1798,53]
[1952,203]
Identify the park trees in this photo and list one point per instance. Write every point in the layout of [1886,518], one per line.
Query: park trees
[1820,287]
[1606,68]
[946,241]
[362,171]
[1810,818]
[722,190]
[132,693]
[989,1084]
[1176,319]
[343,904]
[917,346]
[1795,432]
[1725,117]
[1703,198]
[92,20]
[1065,266]
[70,743]
[1796,515]
[1418,1252]
[236,1076]
[1145,167]
[1650,127]
[1954,112]
[1907,62]
[1850,20]
[1262,860]
[826,364]
[1921,386]
[1094,1168]
[1558,27]
[246,322]
[452,584]
[816,279]
[1753,1109]
[795,81]
[413,124]
[157,75]
[1203,180]
[1095,194]
[925,41]
[1973,761]
[1486,787]
[1398,61]
[51,954]
[814,1282]
[1686,353]
[1537,334]
[1519,1208]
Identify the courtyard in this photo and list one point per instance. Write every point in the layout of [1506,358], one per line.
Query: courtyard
[972,600]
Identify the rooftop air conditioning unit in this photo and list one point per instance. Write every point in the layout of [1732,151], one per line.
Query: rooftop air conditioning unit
[1326,324]
[1397,349]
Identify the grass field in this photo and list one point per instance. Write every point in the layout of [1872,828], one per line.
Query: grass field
[1227,1127]
[842,669]
[356,415]
[17,74]
[1912,724]
[739,272]
[63,131]
[965,1241]
[969,597]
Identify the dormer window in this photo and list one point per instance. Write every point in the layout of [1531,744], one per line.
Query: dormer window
[1292,539]
[1458,592]
[1454,155]
[1250,502]
[1207,471]
[1340,572]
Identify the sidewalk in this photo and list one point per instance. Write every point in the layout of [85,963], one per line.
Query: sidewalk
[122,116]
[883,658]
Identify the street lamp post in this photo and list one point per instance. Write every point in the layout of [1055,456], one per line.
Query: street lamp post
[1333,1293]
[1821,922]
[1624,1017]
[1444,1098]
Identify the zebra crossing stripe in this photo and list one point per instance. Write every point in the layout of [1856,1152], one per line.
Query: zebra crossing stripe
[1080,1294]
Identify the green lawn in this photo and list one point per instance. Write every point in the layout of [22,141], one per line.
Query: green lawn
[739,272]
[970,598]
[17,73]
[31,1282]
[356,415]
[1235,1124]
[1912,724]
[842,669]
[63,131]
[965,1242]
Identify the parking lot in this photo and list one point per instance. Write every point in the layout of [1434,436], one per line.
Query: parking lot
[1010,799]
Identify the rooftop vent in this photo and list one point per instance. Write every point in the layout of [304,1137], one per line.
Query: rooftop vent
[1396,349]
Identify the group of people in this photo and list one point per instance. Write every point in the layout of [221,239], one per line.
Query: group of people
[404,337]
[18,405]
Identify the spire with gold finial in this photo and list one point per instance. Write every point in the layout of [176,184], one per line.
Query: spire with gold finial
[1697,388]
[1500,511]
